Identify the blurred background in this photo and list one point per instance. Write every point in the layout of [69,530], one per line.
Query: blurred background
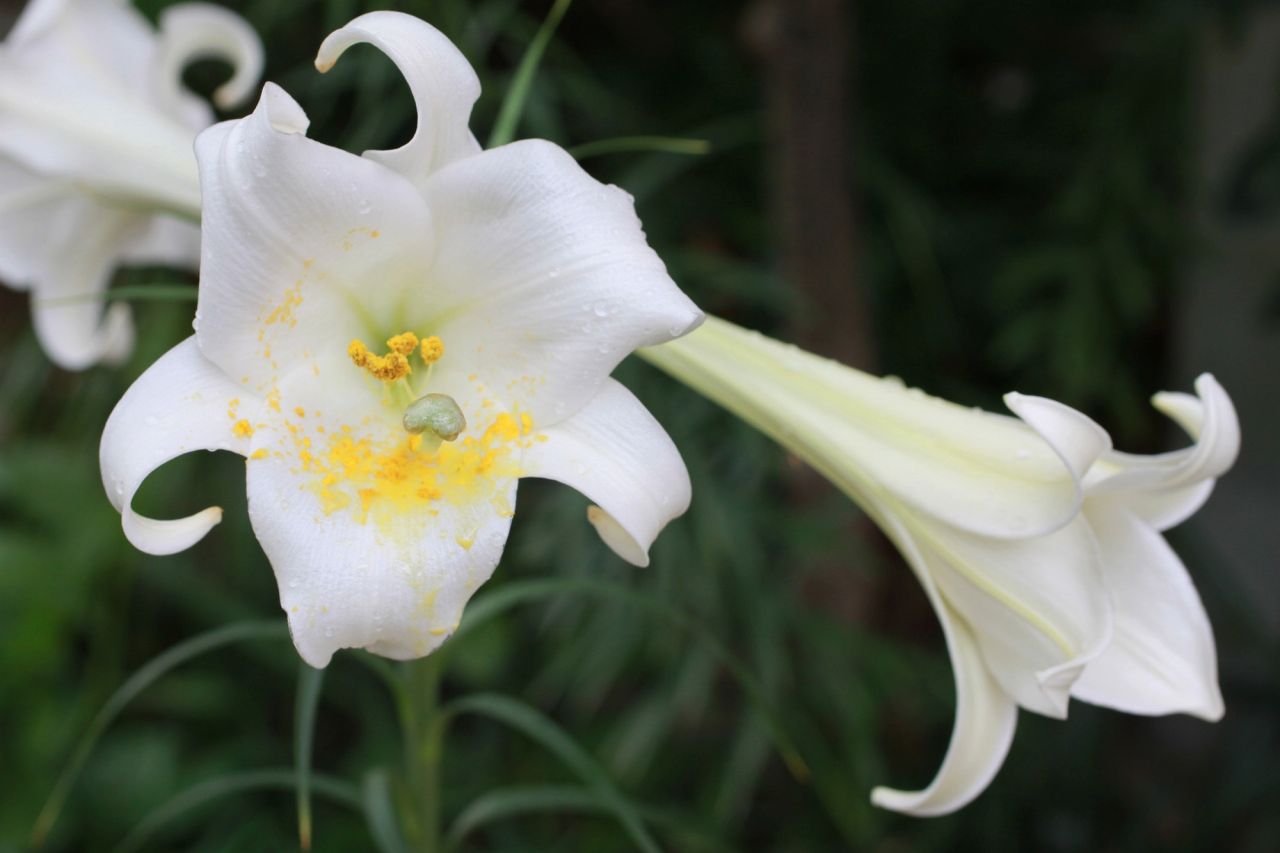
[1075,199]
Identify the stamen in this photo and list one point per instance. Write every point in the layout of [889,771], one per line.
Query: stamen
[432,349]
[404,343]
[388,368]
[437,414]
[359,353]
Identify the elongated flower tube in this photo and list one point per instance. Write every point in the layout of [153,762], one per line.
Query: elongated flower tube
[1038,546]
[392,341]
[97,166]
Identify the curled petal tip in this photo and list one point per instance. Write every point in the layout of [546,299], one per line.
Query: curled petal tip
[282,112]
[1214,711]
[617,538]
[1074,436]
[696,319]
[191,31]
[443,84]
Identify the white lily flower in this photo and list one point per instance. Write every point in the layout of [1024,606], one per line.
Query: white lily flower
[507,284]
[96,159]
[1038,546]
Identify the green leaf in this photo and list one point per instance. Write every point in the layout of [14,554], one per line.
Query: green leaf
[380,811]
[134,293]
[632,144]
[310,680]
[136,683]
[504,128]
[229,785]
[490,605]
[503,803]
[542,729]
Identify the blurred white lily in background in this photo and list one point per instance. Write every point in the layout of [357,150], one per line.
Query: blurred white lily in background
[96,160]
[1038,546]
[392,341]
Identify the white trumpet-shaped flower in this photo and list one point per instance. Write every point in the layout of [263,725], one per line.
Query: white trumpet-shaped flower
[1038,546]
[392,341]
[96,159]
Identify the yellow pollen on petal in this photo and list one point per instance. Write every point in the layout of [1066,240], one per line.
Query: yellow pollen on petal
[432,349]
[397,480]
[404,343]
[242,428]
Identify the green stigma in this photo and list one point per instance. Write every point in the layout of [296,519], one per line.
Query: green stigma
[437,414]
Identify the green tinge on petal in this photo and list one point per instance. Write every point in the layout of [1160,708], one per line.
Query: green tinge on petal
[985,473]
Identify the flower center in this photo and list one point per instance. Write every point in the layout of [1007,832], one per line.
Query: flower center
[435,417]
[393,477]
[395,365]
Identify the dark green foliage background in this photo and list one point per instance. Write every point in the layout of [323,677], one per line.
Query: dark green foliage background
[1034,247]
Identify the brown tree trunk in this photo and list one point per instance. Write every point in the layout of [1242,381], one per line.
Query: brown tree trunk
[806,47]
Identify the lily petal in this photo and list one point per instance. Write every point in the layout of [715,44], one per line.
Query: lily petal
[165,241]
[976,471]
[1077,439]
[1167,488]
[78,35]
[36,18]
[395,586]
[443,84]
[305,247]
[542,272]
[1161,659]
[192,31]
[72,103]
[30,209]
[1038,606]
[67,307]
[614,452]
[985,715]
[178,405]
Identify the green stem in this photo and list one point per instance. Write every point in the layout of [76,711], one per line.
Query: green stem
[424,725]
[504,128]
